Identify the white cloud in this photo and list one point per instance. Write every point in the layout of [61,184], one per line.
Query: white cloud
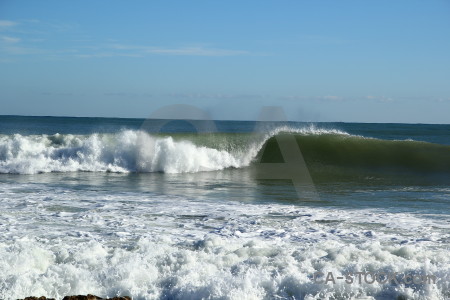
[195,51]
[333,98]
[38,38]
[218,96]
[9,39]
[186,50]
[380,98]
[320,98]
[14,50]
[6,24]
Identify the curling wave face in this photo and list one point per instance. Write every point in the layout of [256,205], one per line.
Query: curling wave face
[357,152]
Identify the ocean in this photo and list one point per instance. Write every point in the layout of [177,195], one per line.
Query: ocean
[158,209]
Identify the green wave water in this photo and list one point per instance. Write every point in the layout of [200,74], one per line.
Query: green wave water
[346,151]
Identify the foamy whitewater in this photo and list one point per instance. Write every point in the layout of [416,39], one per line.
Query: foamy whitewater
[127,151]
[159,247]
[181,216]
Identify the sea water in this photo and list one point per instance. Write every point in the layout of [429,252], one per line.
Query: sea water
[111,207]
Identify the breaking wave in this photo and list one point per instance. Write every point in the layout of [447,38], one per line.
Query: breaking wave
[138,151]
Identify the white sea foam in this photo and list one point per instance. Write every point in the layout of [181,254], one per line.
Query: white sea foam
[160,247]
[305,130]
[126,151]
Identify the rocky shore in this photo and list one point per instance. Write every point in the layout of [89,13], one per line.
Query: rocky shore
[78,297]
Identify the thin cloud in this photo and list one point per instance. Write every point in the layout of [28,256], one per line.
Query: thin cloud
[36,38]
[319,98]
[335,98]
[107,55]
[9,39]
[217,96]
[17,50]
[196,51]
[7,24]
[127,94]
[379,98]
[181,51]
[425,98]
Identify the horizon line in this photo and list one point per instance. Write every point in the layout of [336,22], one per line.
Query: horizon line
[224,120]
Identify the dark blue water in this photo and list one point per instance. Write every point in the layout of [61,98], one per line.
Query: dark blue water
[433,133]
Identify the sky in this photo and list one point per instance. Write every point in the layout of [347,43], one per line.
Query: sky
[350,61]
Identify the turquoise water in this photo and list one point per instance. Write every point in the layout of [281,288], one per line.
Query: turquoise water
[155,210]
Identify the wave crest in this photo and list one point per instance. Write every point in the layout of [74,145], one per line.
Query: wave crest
[126,151]
[137,151]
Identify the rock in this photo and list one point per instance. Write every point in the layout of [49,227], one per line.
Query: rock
[82,297]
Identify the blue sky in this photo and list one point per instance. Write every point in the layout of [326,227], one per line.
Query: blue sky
[362,61]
